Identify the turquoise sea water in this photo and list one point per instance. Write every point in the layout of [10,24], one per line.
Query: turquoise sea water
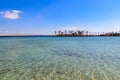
[59,58]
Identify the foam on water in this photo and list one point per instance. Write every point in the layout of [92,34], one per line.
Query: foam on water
[59,58]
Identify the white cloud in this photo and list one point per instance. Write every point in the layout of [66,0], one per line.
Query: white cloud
[71,28]
[13,14]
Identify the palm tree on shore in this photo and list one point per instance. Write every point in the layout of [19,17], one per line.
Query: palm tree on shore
[86,32]
[83,31]
[65,32]
[79,32]
[70,31]
[55,32]
[59,32]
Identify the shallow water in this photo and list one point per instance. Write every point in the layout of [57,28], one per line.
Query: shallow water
[59,58]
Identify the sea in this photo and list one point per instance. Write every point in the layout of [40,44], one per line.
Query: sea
[59,58]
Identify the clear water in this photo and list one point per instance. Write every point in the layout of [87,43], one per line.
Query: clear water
[59,58]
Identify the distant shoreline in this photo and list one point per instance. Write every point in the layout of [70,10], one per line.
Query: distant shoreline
[20,35]
[54,36]
[27,36]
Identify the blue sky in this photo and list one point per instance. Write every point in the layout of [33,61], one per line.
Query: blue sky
[46,16]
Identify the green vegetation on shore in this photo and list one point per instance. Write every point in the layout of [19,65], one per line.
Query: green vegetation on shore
[85,33]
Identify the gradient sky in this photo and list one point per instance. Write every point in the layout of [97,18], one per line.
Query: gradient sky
[46,16]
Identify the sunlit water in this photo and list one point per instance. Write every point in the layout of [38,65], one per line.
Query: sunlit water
[59,58]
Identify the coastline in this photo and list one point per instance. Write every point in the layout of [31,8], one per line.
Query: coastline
[22,35]
[39,35]
[52,36]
